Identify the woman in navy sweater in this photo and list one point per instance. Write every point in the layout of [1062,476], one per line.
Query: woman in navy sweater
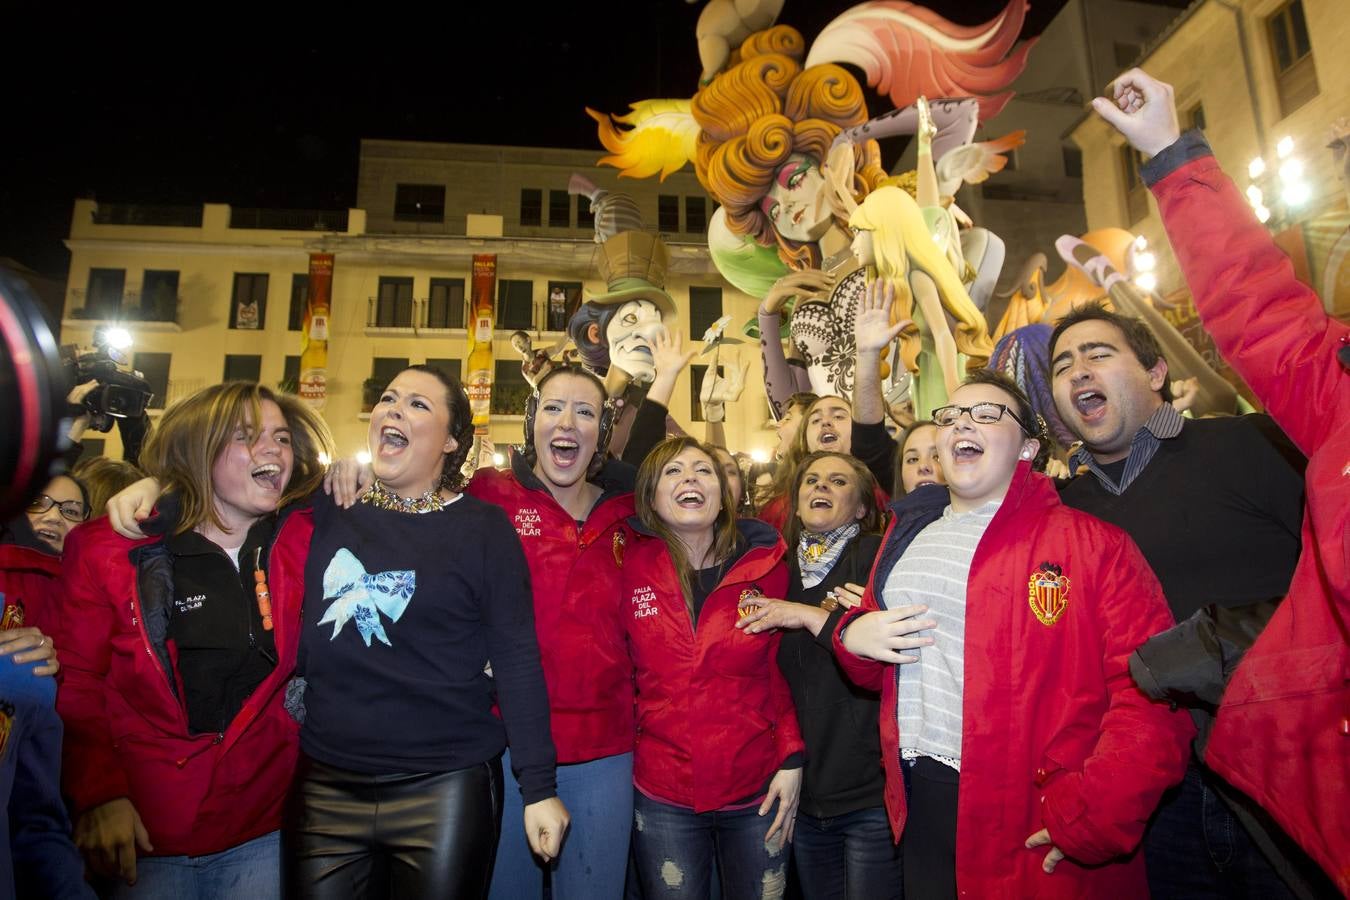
[417,619]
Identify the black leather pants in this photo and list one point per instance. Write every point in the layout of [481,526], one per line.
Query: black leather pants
[382,836]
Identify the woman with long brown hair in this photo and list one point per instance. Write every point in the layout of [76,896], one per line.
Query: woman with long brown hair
[178,751]
[718,747]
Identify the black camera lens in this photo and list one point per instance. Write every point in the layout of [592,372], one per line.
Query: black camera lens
[33,389]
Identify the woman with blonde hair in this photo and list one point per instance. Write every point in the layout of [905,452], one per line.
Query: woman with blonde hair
[177,648]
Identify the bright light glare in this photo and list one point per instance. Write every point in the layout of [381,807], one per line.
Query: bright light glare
[1262,215]
[363,457]
[1147,281]
[1256,168]
[1145,262]
[1284,147]
[1297,193]
[118,338]
[1140,243]
[498,460]
[1254,195]
[759,455]
[325,459]
[1291,170]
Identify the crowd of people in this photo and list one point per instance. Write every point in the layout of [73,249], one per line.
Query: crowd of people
[893,665]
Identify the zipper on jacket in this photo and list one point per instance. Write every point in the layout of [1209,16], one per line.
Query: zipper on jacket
[283,519]
[184,760]
[138,621]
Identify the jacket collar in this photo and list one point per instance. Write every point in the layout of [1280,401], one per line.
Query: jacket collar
[1026,488]
[19,557]
[614,478]
[752,534]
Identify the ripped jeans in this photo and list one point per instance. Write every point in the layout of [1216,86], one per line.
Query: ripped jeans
[675,849]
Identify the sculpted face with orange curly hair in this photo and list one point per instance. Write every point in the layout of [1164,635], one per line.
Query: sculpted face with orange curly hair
[767,124]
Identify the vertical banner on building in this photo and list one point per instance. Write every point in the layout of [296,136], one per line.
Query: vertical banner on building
[478,382]
[314,333]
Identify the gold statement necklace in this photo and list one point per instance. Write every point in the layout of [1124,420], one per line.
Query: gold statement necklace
[381,497]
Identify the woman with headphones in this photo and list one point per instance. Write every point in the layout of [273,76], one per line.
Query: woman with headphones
[568,502]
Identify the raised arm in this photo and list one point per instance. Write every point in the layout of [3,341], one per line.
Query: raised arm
[1268,325]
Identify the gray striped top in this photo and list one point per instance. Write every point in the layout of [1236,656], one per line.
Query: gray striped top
[934,570]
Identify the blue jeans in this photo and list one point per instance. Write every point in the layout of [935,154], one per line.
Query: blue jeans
[249,870]
[676,849]
[1195,848]
[599,798]
[848,857]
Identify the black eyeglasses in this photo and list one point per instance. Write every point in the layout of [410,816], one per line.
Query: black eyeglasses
[73,510]
[981,413]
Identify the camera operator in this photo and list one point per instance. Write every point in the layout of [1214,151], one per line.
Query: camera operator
[105,393]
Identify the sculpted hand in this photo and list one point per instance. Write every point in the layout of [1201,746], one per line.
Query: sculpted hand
[872,329]
[838,171]
[716,392]
[131,506]
[1141,108]
[811,285]
[1041,839]
[545,827]
[109,835]
[883,634]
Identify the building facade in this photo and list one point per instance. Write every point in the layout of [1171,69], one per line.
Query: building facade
[212,293]
[1039,196]
[1259,77]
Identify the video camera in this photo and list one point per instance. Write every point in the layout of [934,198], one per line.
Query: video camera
[33,387]
[121,393]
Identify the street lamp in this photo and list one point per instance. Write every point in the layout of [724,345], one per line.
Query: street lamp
[1140,263]
[1277,193]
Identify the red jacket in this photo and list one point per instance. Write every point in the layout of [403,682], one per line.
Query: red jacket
[574,575]
[1283,731]
[1054,732]
[126,728]
[28,581]
[715,716]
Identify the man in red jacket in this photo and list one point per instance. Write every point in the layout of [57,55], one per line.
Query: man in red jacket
[1281,733]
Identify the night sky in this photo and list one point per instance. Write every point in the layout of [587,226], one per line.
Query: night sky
[267,109]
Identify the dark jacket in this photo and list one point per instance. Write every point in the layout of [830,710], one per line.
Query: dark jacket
[838,718]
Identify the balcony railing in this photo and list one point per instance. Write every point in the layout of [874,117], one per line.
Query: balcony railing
[289,219]
[136,214]
[415,314]
[132,306]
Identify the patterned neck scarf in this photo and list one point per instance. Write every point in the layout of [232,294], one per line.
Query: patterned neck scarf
[817,553]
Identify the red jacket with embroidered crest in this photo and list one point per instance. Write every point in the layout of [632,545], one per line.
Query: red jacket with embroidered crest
[574,576]
[126,728]
[28,580]
[1054,732]
[1283,732]
[715,716]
